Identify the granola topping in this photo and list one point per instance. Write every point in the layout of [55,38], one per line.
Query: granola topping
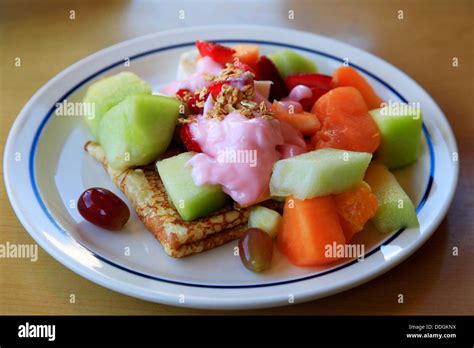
[236,94]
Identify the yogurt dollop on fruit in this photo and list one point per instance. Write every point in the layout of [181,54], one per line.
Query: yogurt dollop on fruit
[238,153]
[204,66]
[238,138]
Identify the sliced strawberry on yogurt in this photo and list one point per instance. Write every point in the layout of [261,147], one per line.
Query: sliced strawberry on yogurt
[191,100]
[308,103]
[243,66]
[308,80]
[215,88]
[181,93]
[220,54]
[192,104]
[188,140]
[320,84]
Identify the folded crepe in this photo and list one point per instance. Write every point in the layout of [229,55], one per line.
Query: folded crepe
[145,191]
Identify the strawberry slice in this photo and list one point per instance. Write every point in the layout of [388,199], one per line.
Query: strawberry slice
[266,70]
[308,80]
[192,103]
[319,84]
[307,103]
[244,67]
[220,54]
[215,88]
[188,140]
[193,108]
[181,93]
[191,100]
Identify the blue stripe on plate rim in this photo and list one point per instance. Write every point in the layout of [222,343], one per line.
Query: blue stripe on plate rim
[187,44]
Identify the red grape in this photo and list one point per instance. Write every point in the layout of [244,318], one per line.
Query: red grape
[256,249]
[103,208]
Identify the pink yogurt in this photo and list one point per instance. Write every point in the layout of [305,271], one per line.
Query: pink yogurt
[298,93]
[239,153]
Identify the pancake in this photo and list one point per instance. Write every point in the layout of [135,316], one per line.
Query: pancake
[145,191]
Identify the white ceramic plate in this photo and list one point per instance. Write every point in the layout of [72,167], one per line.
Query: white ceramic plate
[46,170]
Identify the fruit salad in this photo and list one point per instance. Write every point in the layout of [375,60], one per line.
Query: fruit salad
[241,128]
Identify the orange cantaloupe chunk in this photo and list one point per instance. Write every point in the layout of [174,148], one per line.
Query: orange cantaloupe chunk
[308,228]
[347,76]
[345,122]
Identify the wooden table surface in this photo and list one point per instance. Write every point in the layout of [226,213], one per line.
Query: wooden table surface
[422,44]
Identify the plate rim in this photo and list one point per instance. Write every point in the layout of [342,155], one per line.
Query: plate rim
[387,265]
[47,117]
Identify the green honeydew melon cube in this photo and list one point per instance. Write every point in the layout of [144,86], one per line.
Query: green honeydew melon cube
[289,62]
[191,201]
[400,137]
[108,92]
[138,129]
[318,173]
[395,210]
[267,220]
